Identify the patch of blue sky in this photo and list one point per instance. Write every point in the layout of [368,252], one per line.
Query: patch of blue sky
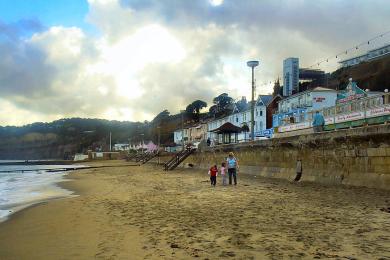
[49,13]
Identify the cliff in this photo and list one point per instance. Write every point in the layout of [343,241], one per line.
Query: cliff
[373,75]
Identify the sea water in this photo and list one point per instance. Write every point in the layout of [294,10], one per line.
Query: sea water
[20,188]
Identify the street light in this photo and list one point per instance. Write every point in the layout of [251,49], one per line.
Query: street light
[110,141]
[182,129]
[253,64]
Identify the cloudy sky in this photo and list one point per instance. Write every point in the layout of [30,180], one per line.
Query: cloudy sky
[130,59]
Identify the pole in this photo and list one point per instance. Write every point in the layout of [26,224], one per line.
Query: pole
[110,141]
[182,130]
[253,64]
[253,106]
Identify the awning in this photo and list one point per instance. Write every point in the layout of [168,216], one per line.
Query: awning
[227,128]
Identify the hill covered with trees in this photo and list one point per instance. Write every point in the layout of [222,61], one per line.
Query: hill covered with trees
[63,138]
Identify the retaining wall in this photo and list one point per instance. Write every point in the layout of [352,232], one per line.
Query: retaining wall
[359,157]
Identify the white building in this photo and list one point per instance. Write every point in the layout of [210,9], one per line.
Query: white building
[121,147]
[178,136]
[295,108]
[192,134]
[370,55]
[240,118]
[290,76]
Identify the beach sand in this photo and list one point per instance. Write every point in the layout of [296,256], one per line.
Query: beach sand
[142,212]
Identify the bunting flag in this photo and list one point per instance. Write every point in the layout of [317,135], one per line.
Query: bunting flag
[345,52]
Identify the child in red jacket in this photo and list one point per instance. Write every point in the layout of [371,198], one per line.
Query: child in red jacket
[213,175]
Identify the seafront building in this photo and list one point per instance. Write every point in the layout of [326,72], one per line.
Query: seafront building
[121,147]
[297,108]
[296,79]
[181,135]
[353,107]
[242,117]
[178,137]
[197,132]
[192,134]
[370,55]
[290,76]
[272,108]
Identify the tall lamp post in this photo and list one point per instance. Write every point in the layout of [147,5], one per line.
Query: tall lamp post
[182,129]
[253,64]
[110,141]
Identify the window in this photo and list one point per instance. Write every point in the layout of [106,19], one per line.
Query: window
[261,125]
[261,112]
[236,119]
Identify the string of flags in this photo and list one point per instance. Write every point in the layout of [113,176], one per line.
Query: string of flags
[355,47]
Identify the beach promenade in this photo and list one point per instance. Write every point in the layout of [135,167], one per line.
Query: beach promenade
[146,213]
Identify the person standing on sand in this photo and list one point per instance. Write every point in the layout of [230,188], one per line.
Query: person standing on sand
[223,174]
[318,122]
[299,170]
[213,175]
[232,164]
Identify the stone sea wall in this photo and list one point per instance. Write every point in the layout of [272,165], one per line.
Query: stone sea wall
[358,156]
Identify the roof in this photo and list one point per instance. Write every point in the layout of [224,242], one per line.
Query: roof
[366,54]
[266,99]
[227,128]
[356,57]
[383,47]
[275,97]
[323,89]
[317,89]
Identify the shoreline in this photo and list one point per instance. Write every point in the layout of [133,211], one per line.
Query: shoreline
[145,213]
[48,190]
[57,189]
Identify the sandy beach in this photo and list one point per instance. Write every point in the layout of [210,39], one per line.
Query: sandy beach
[142,212]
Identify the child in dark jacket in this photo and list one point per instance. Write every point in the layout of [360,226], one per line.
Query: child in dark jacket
[213,175]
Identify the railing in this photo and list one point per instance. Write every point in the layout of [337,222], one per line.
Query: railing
[178,158]
[360,109]
[149,156]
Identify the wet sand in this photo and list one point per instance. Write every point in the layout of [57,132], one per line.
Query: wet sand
[145,213]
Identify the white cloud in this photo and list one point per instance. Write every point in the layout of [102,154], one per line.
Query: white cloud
[150,55]
[216,2]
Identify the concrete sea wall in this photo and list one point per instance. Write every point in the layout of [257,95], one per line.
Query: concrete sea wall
[358,156]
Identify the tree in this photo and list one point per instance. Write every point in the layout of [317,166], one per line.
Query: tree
[194,108]
[161,116]
[190,109]
[245,128]
[213,109]
[223,102]
[198,105]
